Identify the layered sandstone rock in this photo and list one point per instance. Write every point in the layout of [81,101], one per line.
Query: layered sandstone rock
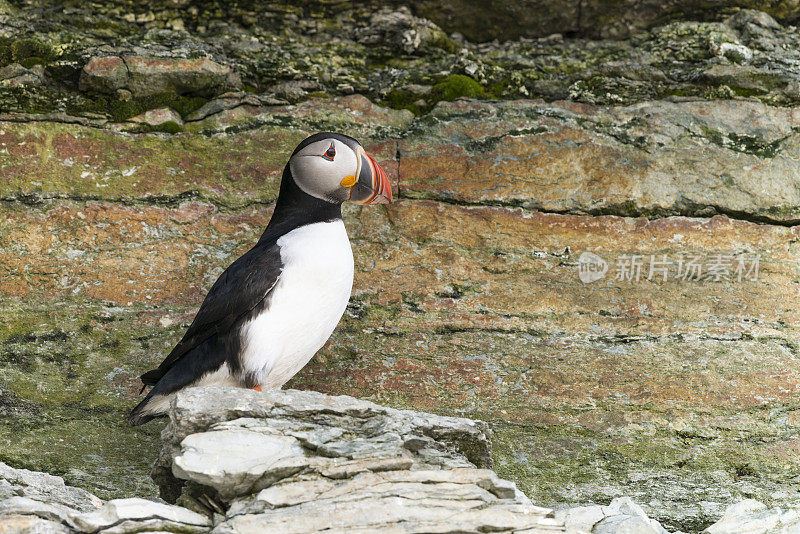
[469,294]
[658,365]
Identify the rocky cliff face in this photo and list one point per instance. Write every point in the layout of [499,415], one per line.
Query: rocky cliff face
[140,153]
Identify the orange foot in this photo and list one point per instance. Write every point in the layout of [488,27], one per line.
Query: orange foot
[257,388]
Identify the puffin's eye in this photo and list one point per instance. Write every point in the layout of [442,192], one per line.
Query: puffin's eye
[330,153]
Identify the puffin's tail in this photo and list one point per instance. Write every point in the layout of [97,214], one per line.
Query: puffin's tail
[147,410]
[152,407]
[182,373]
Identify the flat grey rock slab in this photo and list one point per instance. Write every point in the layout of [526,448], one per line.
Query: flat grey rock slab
[621,516]
[753,517]
[304,462]
[122,516]
[45,488]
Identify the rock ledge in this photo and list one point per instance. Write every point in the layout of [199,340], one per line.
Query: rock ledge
[238,461]
[300,461]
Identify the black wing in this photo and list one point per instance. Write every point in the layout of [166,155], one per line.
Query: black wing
[239,289]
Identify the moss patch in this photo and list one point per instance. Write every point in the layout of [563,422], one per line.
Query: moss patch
[170,127]
[121,110]
[405,99]
[456,86]
[27,52]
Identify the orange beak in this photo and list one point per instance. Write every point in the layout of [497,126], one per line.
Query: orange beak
[372,185]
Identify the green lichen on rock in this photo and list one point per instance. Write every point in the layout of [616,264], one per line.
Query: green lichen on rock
[63,409]
[420,99]
[686,42]
[746,144]
[390,55]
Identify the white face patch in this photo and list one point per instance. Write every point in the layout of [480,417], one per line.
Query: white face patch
[319,168]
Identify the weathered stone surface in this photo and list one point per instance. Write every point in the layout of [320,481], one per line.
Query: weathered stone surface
[147,76]
[38,503]
[621,516]
[354,113]
[295,461]
[30,487]
[24,506]
[691,158]
[754,517]
[245,458]
[287,424]
[15,76]
[402,31]
[443,511]
[104,74]
[159,117]
[122,516]
[26,524]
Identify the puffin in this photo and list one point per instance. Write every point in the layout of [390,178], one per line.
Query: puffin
[273,308]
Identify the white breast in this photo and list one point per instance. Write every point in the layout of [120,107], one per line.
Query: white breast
[305,306]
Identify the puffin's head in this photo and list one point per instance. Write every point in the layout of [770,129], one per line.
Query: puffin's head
[335,168]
